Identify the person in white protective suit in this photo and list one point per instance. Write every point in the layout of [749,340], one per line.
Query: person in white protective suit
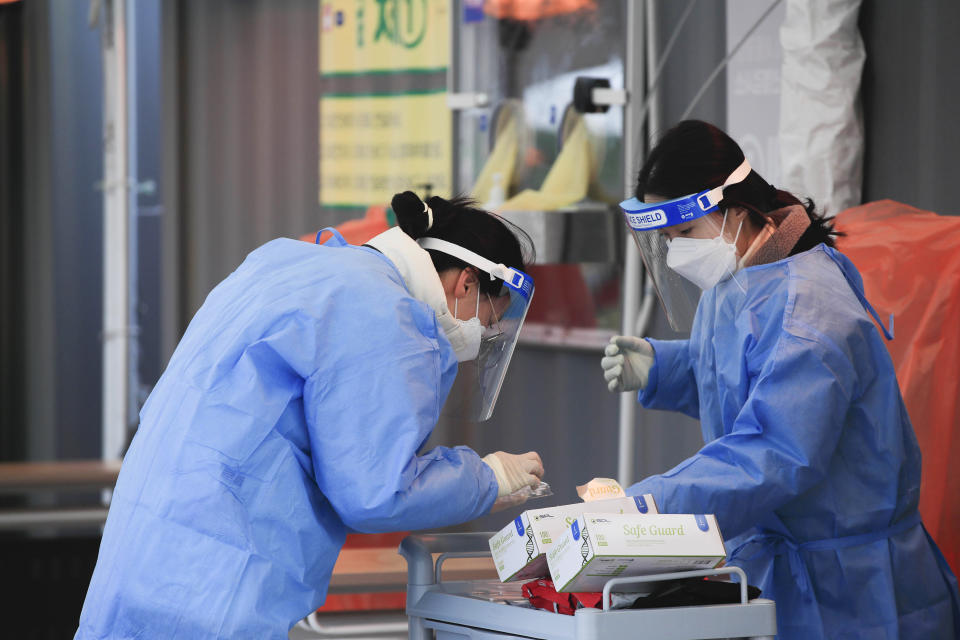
[292,413]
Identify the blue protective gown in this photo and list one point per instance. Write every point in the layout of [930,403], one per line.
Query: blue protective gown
[290,414]
[810,463]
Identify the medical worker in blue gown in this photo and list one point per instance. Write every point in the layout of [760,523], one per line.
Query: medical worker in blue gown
[810,463]
[292,413]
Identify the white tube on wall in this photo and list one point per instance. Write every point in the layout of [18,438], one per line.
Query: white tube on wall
[821,128]
[640,29]
[133,214]
[116,232]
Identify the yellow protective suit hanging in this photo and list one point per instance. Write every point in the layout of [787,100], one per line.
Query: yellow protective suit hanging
[567,181]
[502,161]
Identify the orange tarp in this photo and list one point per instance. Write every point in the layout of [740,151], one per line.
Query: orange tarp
[529,10]
[357,231]
[910,263]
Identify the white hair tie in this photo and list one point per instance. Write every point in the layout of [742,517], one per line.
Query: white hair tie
[427,210]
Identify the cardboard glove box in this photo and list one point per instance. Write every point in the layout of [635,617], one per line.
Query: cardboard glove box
[519,548]
[601,546]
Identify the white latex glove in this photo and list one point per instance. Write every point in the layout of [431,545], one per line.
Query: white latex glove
[626,363]
[514,472]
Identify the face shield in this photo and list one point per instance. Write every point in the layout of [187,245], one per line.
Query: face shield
[655,226]
[500,338]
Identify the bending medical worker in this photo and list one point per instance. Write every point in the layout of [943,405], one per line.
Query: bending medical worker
[810,463]
[291,414]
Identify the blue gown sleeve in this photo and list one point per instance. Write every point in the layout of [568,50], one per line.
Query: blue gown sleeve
[780,443]
[368,413]
[672,385]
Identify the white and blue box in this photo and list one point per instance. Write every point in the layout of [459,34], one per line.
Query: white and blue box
[519,549]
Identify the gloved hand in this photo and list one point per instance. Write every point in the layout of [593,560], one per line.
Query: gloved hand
[626,363]
[513,472]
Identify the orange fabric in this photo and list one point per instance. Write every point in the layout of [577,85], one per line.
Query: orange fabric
[529,10]
[357,231]
[910,263]
[370,540]
[393,601]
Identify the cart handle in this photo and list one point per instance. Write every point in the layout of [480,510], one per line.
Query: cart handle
[457,554]
[608,587]
[419,549]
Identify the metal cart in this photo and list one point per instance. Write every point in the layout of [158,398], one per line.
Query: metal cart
[490,610]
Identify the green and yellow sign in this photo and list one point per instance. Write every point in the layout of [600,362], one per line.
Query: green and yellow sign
[377,36]
[384,122]
[372,147]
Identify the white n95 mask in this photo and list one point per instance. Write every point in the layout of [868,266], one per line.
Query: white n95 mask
[465,335]
[704,261]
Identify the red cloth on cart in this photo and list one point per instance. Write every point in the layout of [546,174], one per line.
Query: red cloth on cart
[543,595]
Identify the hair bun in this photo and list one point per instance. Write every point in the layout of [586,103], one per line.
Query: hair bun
[412,214]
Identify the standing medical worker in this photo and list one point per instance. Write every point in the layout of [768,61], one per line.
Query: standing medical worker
[291,414]
[810,463]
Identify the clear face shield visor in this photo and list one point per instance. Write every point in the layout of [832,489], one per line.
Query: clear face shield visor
[655,225]
[500,338]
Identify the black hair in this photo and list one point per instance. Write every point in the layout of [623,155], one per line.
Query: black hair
[695,155]
[461,222]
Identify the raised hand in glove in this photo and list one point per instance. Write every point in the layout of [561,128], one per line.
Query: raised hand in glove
[626,363]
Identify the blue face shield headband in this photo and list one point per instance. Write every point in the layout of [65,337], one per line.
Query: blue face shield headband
[647,216]
[647,220]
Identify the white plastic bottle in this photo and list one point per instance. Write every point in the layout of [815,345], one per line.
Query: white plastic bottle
[497,194]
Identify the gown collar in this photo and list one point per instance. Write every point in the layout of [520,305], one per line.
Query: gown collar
[417,270]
